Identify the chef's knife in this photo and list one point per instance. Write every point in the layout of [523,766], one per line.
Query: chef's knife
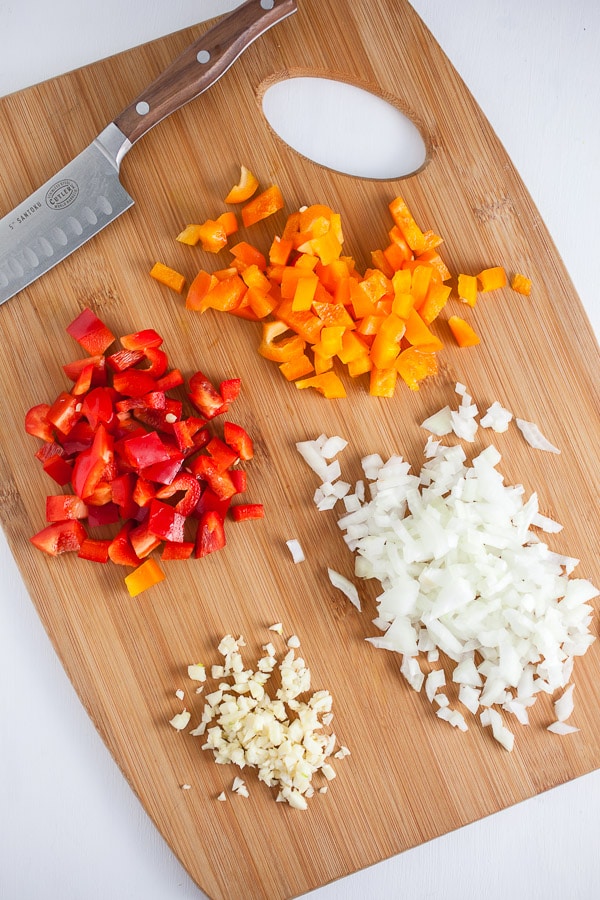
[87,195]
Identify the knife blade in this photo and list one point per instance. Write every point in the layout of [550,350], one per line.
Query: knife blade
[86,195]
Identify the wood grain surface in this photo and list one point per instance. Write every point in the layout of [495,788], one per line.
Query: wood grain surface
[409,778]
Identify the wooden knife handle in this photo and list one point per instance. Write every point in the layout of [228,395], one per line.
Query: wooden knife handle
[201,64]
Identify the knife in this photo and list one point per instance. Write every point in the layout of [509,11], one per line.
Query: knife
[86,195]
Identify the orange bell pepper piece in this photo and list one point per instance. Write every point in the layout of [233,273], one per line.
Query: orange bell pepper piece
[280,250]
[386,346]
[229,222]
[418,334]
[296,367]
[328,383]
[436,299]
[521,284]
[283,350]
[409,229]
[304,293]
[415,364]
[145,576]
[467,289]
[247,255]
[493,278]
[244,189]
[382,382]
[199,288]
[464,334]
[226,295]
[262,206]
[168,277]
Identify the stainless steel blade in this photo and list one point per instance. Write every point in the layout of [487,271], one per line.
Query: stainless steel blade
[64,213]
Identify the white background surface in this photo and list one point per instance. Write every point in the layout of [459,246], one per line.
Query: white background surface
[70,828]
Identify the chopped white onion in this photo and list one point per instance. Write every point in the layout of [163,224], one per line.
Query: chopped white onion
[180,720]
[534,436]
[497,418]
[563,707]
[345,586]
[562,728]
[295,548]
[463,573]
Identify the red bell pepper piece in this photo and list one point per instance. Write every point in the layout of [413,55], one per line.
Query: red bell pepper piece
[60,537]
[210,502]
[121,360]
[58,468]
[145,450]
[243,511]
[165,522]
[120,550]
[74,369]
[204,395]
[97,406]
[141,340]
[219,481]
[133,383]
[106,514]
[187,482]
[143,492]
[64,412]
[171,380]
[240,480]
[186,433]
[143,540]
[210,535]
[158,362]
[222,454]
[89,331]
[94,464]
[229,390]
[94,549]
[60,507]
[239,439]
[163,472]
[37,423]
[181,550]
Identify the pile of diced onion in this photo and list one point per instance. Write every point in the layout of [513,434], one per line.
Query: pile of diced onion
[282,736]
[462,573]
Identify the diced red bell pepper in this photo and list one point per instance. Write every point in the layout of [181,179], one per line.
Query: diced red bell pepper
[221,453]
[240,479]
[165,522]
[74,369]
[134,383]
[210,535]
[89,331]
[185,432]
[92,465]
[121,360]
[64,412]
[97,406]
[122,494]
[145,450]
[143,492]
[60,507]
[230,390]
[210,502]
[243,511]
[141,340]
[187,482]
[163,472]
[239,439]
[106,514]
[80,437]
[158,362]
[143,540]
[37,423]
[60,537]
[58,468]
[94,549]
[204,395]
[220,481]
[180,550]
[172,379]
[120,550]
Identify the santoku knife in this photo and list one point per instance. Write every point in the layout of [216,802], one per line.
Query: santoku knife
[87,195]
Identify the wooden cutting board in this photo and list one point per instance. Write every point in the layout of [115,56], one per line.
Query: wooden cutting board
[409,778]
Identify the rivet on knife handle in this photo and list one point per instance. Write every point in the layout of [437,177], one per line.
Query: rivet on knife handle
[201,64]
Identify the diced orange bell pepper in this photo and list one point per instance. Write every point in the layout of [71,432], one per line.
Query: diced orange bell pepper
[382,382]
[352,347]
[260,302]
[199,288]
[521,284]
[262,206]
[421,279]
[467,289]
[381,262]
[493,278]
[306,324]
[437,297]
[464,334]
[331,340]
[386,346]
[226,295]
[229,222]
[283,350]
[419,335]
[167,276]
[145,576]
[244,189]
[280,250]
[248,255]
[333,314]
[403,218]
[328,383]
[296,367]
[212,236]
[415,364]
[304,293]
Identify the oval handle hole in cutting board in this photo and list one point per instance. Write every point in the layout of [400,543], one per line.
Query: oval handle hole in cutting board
[344,127]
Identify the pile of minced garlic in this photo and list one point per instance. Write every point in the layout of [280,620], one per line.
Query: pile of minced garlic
[282,735]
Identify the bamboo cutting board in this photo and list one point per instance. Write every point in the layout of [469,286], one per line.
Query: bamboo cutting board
[410,778]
